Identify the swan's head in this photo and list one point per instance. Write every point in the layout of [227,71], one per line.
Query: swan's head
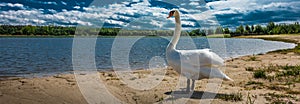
[173,13]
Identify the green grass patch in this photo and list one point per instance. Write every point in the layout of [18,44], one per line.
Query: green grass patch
[259,74]
[252,58]
[293,92]
[285,73]
[254,83]
[279,98]
[231,97]
[277,88]
[281,77]
[289,71]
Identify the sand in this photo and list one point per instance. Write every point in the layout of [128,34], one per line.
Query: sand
[156,85]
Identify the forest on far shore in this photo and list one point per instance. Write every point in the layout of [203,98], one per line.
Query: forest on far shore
[29,30]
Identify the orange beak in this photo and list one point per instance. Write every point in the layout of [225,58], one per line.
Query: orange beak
[170,14]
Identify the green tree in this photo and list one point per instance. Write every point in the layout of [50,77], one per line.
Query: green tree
[252,29]
[258,29]
[226,30]
[247,29]
[270,27]
[194,32]
[240,29]
[219,30]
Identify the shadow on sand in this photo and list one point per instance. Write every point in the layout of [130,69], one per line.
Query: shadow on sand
[195,95]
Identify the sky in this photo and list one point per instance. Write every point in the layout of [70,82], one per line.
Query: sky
[148,14]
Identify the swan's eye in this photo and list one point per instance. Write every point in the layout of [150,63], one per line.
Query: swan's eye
[171,13]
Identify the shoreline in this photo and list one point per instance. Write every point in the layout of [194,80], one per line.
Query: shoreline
[49,89]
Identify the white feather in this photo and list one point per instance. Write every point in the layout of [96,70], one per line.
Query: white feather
[194,64]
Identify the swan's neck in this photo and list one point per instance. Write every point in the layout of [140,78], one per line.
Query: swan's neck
[176,36]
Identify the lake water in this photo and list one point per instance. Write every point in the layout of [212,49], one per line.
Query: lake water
[44,56]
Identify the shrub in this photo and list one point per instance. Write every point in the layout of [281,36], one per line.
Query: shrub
[260,74]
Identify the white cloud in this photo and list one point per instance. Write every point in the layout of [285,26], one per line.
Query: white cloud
[52,10]
[245,6]
[21,6]
[235,6]
[141,13]
[115,22]
[64,3]
[15,5]
[156,23]
[54,3]
[42,2]
[194,3]
[76,7]
[188,23]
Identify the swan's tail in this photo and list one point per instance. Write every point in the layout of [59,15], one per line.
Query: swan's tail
[227,78]
[211,72]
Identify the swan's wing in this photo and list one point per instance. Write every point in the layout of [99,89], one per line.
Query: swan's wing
[199,73]
[200,58]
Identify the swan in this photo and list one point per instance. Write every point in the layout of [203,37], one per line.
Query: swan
[193,64]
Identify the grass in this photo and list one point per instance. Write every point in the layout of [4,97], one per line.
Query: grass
[260,74]
[289,71]
[281,78]
[252,58]
[277,88]
[279,98]
[249,99]
[281,71]
[293,92]
[254,83]
[231,97]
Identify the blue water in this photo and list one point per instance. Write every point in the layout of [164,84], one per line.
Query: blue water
[44,56]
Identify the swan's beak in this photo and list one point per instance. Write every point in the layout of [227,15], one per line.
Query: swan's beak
[170,14]
[169,17]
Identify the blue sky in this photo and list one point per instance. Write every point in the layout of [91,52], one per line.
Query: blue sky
[148,14]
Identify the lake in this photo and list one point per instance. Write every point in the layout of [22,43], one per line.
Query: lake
[48,56]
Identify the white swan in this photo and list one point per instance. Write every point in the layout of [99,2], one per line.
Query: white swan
[193,64]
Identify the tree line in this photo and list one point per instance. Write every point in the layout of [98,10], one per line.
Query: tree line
[65,31]
[270,28]
[36,30]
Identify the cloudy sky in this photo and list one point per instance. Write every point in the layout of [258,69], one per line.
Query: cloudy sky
[148,14]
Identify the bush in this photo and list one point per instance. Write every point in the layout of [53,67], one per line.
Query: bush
[260,74]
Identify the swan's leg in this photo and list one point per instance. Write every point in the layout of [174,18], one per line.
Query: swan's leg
[193,84]
[188,85]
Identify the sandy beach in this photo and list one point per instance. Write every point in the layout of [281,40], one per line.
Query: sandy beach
[264,78]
